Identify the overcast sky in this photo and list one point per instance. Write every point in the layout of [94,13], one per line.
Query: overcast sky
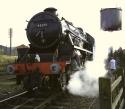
[84,13]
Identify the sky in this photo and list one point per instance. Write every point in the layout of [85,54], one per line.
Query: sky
[84,13]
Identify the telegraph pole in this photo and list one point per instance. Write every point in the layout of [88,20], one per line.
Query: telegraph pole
[10,34]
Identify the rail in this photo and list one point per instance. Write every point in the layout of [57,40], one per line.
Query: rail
[16,95]
[111,92]
[12,97]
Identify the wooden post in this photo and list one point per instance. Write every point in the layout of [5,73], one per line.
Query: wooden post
[105,94]
[123,83]
[10,34]
[121,72]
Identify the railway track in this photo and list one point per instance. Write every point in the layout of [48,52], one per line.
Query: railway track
[67,101]
[7,77]
[44,100]
[47,100]
[12,96]
[26,100]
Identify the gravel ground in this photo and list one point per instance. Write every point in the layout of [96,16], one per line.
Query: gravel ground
[84,103]
[68,101]
[8,85]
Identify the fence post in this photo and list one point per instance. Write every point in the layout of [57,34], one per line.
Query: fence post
[105,94]
[123,81]
[121,72]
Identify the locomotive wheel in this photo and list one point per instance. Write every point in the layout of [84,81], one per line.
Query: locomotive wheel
[18,79]
[27,83]
[31,81]
[64,78]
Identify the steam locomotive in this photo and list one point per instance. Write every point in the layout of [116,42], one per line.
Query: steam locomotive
[57,48]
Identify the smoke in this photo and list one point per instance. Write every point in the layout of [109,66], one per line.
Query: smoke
[85,82]
[82,84]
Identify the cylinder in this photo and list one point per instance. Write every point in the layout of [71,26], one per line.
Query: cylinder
[111,19]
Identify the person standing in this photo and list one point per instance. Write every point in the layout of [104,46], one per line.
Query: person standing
[112,66]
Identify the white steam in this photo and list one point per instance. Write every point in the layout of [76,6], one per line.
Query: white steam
[85,82]
[82,84]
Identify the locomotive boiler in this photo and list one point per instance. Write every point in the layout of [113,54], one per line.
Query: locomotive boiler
[57,49]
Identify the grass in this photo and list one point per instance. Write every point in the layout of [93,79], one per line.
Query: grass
[7,59]
[9,86]
[4,61]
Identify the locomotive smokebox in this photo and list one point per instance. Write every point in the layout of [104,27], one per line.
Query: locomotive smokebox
[111,19]
[44,30]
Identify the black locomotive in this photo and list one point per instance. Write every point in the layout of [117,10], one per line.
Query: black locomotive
[61,47]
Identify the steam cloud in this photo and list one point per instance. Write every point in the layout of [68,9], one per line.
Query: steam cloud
[82,84]
[85,82]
